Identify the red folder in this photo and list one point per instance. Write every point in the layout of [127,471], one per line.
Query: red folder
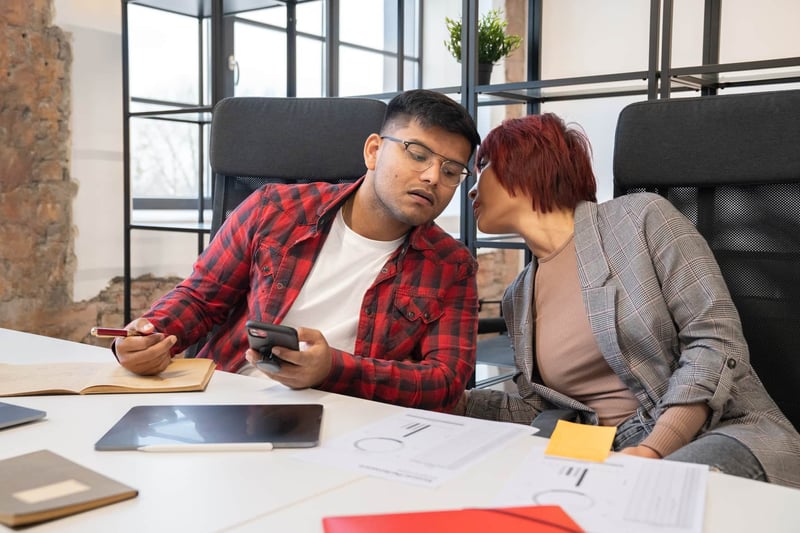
[530,519]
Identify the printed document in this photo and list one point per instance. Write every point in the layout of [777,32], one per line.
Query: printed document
[417,446]
[624,493]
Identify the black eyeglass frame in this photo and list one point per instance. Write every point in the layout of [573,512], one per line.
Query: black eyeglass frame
[464,174]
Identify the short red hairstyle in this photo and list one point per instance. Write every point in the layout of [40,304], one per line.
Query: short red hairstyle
[540,156]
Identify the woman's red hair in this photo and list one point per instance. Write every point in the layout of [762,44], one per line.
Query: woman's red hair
[543,158]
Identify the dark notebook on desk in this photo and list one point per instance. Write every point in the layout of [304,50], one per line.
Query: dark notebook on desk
[12,415]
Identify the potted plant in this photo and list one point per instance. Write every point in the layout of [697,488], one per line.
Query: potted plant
[493,42]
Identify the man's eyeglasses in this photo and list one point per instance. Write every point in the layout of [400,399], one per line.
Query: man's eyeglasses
[421,159]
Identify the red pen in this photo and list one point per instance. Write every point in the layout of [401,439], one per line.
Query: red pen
[115,332]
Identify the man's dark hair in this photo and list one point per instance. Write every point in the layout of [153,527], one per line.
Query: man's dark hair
[432,109]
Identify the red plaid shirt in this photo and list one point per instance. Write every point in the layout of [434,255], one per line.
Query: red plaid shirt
[415,344]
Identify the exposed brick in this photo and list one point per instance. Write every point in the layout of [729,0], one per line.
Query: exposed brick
[37,262]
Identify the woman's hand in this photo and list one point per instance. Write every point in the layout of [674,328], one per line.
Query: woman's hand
[641,451]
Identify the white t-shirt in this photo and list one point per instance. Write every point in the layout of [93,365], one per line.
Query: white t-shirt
[331,298]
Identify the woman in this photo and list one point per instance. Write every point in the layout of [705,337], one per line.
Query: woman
[623,315]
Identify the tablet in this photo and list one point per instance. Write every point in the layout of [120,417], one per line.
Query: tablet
[148,427]
[12,415]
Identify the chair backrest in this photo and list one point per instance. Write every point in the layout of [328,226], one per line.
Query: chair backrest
[257,140]
[731,164]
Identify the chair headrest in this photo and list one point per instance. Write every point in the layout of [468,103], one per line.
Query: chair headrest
[745,139]
[250,137]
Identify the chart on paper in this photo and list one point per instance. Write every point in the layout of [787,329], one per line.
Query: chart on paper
[420,447]
[623,493]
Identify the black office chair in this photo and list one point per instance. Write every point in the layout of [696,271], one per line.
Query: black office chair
[731,164]
[258,140]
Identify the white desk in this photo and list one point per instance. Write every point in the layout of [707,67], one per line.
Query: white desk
[254,491]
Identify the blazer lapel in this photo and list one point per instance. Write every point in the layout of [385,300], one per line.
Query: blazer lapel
[599,298]
[523,326]
[593,268]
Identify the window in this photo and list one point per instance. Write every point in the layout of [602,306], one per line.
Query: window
[277,51]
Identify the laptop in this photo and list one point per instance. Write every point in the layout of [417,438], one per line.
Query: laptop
[183,427]
[13,415]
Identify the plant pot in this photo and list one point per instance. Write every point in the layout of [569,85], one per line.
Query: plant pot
[485,73]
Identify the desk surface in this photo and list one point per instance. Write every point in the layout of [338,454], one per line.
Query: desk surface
[271,491]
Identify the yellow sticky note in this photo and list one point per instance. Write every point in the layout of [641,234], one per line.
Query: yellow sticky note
[581,441]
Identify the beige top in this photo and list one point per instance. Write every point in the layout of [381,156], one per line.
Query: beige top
[570,361]
[615,243]
[567,355]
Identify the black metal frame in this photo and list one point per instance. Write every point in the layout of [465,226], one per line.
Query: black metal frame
[659,80]
[221,84]
[194,113]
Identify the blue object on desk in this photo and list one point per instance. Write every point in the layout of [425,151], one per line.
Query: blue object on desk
[13,415]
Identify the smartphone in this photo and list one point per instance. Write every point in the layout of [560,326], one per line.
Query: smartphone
[262,337]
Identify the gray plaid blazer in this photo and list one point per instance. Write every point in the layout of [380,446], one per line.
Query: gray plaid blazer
[663,318]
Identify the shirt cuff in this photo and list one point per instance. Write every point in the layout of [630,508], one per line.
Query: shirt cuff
[676,427]
[484,403]
[334,381]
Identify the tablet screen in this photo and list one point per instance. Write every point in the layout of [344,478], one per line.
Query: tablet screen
[281,425]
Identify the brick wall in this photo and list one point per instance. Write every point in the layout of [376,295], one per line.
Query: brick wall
[37,262]
[37,259]
[496,270]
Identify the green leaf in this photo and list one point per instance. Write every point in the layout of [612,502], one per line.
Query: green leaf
[493,43]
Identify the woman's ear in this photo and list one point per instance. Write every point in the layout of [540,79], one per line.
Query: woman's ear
[371,146]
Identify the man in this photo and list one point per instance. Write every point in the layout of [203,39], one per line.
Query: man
[384,300]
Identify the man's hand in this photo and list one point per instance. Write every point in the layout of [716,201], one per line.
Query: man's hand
[641,451]
[147,353]
[303,368]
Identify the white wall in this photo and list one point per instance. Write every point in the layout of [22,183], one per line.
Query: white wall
[97,160]
[96,124]
[440,69]
[582,37]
